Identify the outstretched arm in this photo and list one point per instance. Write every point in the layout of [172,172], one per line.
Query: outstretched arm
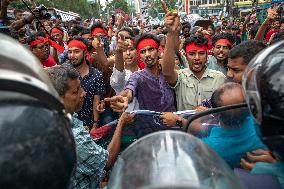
[172,22]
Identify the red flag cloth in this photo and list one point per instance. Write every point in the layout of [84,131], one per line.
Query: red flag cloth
[101,132]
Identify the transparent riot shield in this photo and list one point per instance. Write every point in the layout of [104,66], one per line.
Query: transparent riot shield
[171,159]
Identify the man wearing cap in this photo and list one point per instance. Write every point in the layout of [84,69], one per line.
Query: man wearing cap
[91,81]
[41,49]
[196,83]
[148,85]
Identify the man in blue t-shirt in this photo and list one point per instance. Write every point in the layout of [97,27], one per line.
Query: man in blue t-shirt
[234,134]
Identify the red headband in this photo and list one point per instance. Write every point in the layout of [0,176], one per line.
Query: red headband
[55,30]
[146,43]
[77,44]
[38,41]
[194,47]
[224,41]
[99,30]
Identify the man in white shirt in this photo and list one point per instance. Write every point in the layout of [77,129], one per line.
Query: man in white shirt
[125,65]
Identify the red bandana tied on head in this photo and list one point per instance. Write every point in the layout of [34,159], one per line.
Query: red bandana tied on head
[146,43]
[43,40]
[78,44]
[224,41]
[142,44]
[55,30]
[99,30]
[38,41]
[195,47]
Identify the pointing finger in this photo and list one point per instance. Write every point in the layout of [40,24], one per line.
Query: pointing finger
[164,5]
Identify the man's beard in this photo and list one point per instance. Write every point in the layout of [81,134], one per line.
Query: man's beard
[78,64]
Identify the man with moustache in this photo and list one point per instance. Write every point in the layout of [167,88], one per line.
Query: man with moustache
[41,49]
[92,159]
[222,43]
[239,58]
[196,83]
[148,85]
[91,81]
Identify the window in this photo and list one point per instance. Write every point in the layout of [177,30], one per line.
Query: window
[210,1]
[191,2]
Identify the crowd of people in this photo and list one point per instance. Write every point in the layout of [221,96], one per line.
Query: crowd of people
[102,70]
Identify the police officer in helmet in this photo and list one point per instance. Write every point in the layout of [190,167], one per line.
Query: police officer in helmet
[37,148]
[263,84]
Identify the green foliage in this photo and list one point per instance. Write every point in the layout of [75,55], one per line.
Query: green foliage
[19,5]
[119,4]
[155,7]
[82,7]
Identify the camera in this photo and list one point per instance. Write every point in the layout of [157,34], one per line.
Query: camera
[43,12]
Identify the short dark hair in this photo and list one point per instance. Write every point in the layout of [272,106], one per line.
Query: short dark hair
[247,50]
[98,25]
[146,36]
[34,36]
[136,31]
[86,31]
[127,29]
[199,40]
[186,25]
[216,95]
[76,30]
[219,36]
[59,76]
[253,31]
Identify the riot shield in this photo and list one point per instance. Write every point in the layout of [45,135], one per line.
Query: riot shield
[171,159]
